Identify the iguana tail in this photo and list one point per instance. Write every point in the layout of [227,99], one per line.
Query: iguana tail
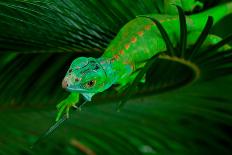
[217,13]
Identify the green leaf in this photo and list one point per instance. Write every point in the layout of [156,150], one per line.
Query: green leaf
[202,37]
[183,31]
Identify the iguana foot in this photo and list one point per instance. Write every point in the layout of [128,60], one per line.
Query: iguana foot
[66,104]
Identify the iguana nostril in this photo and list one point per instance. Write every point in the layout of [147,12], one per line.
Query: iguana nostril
[64,84]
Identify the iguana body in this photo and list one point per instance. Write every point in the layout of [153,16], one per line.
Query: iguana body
[140,39]
[136,42]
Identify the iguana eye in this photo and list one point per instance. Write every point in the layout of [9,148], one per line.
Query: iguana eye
[96,67]
[90,83]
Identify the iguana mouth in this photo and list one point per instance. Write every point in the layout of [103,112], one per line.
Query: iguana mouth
[80,90]
[64,83]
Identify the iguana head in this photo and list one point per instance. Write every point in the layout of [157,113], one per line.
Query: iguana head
[86,76]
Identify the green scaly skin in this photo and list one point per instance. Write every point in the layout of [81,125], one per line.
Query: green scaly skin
[136,42]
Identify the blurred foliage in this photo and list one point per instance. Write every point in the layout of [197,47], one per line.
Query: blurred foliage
[38,41]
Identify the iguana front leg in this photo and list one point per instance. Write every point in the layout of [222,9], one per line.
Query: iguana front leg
[66,104]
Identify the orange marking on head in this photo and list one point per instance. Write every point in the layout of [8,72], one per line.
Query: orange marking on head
[132,66]
[147,27]
[127,46]
[134,39]
[121,52]
[140,33]
[116,56]
[113,59]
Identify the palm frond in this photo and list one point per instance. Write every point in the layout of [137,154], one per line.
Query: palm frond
[202,37]
[183,31]
[55,25]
